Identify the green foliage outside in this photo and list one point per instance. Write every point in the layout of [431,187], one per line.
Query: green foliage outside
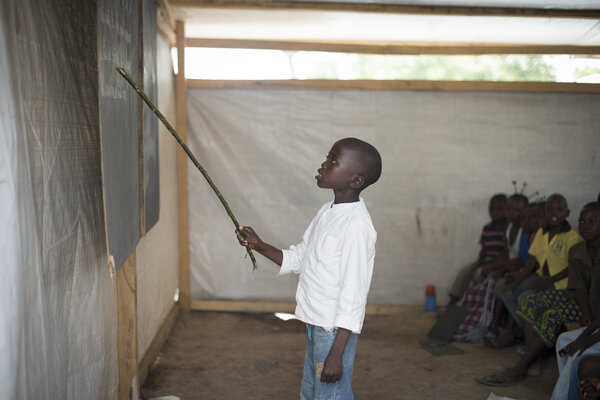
[586,71]
[485,68]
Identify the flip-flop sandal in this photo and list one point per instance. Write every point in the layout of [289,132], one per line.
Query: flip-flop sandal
[496,379]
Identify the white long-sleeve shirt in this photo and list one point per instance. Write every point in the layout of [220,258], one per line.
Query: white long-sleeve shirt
[335,263]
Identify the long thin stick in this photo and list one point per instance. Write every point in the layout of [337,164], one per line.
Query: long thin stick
[162,118]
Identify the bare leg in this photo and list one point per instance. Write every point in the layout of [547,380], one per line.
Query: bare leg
[535,348]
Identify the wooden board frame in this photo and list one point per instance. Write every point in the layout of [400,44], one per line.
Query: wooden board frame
[398,48]
[166,22]
[354,47]
[286,307]
[182,184]
[394,48]
[443,86]
[127,328]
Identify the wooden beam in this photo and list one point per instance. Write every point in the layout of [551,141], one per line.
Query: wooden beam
[243,306]
[157,344]
[443,86]
[391,8]
[182,184]
[127,329]
[166,22]
[164,9]
[286,307]
[408,48]
[166,31]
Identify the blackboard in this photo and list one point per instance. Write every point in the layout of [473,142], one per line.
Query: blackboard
[150,138]
[118,45]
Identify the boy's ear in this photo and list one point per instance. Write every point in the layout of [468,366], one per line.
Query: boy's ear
[357,182]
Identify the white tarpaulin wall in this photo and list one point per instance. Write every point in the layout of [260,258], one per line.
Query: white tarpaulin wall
[444,155]
[57,300]
[58,297]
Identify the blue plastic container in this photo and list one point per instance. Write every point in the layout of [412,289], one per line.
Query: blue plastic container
[430,298]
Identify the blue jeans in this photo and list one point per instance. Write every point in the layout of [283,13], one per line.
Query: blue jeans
[318,344]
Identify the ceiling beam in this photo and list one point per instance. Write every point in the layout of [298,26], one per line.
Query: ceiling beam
[410,48]
[166,22]
[390,8]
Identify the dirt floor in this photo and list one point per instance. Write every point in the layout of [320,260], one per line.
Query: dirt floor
[211,355]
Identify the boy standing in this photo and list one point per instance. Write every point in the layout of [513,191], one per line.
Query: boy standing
[335,264]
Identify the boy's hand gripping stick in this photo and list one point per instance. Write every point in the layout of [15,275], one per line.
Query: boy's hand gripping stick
[166,123]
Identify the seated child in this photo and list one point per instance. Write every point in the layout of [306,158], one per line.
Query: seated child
[525,281]
[511,257]
[512,295]
[544,313]
[335,264]
[492,246]
[512,238]
[533,219]
[584,278]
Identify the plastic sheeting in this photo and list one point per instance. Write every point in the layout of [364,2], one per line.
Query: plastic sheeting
[57,299]
[444,155]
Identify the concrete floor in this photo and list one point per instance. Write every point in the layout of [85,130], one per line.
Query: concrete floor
[230,356]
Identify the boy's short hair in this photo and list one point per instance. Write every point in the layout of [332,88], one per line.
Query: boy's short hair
[499,197]
[557,196]
[594,205]
[370,159]
[520,197]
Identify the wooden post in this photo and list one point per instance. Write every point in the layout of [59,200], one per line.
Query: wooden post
[127,329]
[182,185]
